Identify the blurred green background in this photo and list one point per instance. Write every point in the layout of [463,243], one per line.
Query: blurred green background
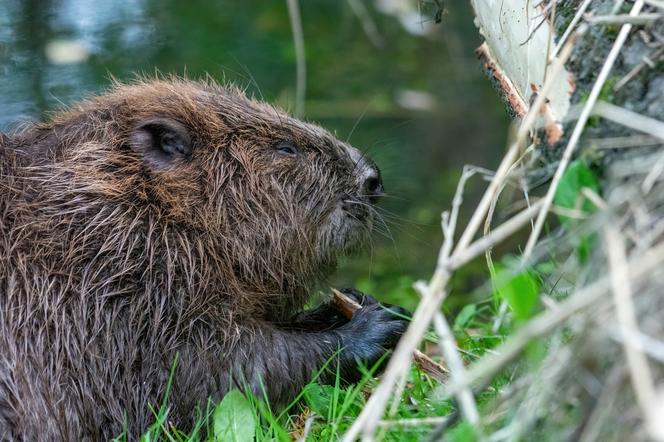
[399,78]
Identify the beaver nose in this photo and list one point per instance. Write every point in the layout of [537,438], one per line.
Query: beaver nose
[373,184]
[368,175]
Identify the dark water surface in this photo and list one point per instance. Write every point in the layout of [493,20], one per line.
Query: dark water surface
[419,104]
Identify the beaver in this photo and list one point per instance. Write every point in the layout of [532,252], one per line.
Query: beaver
[171,232]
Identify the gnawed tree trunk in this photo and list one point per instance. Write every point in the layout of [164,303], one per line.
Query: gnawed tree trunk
[518,51]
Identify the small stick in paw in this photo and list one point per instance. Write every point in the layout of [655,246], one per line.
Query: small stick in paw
[348,306]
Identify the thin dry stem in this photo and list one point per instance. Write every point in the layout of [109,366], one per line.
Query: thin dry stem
[630,119]
[653,348]
[502,310]
[654,174]
[656,3]
[496,236]
[415,422]
[368,25]
[641,19]
[603,406]
[637,362]
[647,60]
[628,141]
[594,198]
[448,347]
[575,20]
[300,58]
[457,369]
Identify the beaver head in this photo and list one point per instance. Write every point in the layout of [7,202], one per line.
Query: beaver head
[273,200]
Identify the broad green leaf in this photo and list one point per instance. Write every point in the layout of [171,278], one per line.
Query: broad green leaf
[568,194]
[234,419]
[464,317]
[520,291]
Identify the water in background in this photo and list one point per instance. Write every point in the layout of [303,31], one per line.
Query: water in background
[401,81]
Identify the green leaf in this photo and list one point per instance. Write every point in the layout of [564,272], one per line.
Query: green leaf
[520,291]
[464,317]
[234,419]
[464,432]
[318,398]
[568,194]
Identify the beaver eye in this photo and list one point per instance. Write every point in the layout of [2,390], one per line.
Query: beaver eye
[286,149]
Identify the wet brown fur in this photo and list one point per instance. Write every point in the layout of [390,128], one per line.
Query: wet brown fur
[112,262]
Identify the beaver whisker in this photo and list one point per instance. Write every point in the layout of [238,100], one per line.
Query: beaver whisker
[368,237]
[396,219]
[378,215]
[384,195]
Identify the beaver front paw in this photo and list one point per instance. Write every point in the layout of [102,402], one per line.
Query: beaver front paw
[374,330]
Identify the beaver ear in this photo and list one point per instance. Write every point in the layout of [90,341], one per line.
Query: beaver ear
[161,141]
